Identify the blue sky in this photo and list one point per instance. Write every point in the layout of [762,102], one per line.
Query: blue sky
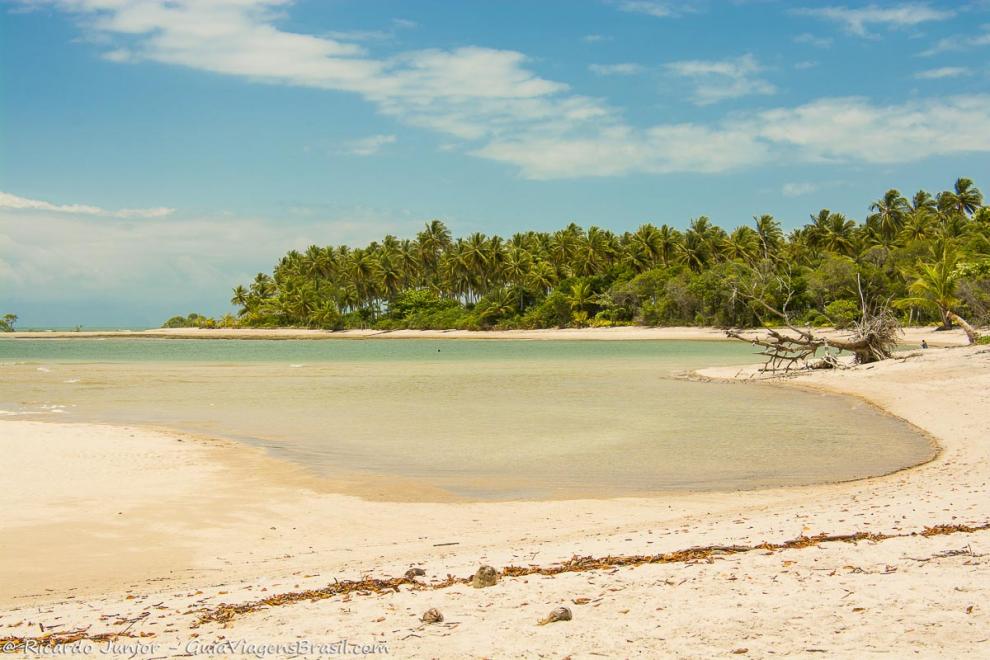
[155,153]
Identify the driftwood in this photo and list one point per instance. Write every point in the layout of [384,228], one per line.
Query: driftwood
[971,333]
[872,338]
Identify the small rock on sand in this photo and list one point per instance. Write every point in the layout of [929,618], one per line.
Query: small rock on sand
[486,576]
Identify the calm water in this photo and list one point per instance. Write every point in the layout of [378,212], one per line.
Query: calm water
[487,419]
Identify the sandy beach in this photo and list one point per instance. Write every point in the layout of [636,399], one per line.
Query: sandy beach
[144,534]
[911,336]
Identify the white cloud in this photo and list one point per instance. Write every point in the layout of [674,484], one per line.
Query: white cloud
[837,130]
[469,92]
[943,72]
[960,42]
[721,80]
[858,20]
[153,268]
[370,145]
[493,103]
[9,201]
[811,40]
[649,7]
[595,38]
[623,69]
[798,189]
[804,65]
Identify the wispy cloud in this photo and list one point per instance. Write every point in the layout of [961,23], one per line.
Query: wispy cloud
[798,189]
[156,267]
[813,40]
[469,92]
[859,20]
[960,42]
[835,130]
[14,202]
[595,38]
[370,145]
[804,65]
[492,102]
[397,24]
[720,80]
[656,8]
[943,72]
[623,69]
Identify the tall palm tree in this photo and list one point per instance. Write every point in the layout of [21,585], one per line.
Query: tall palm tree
[889,213]
[964,199]
[743,244]
[770,234]
[542,277]
[923,202]
[240,298]
[263,286]
[839,235]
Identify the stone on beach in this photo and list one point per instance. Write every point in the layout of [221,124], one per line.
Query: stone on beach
[486,576]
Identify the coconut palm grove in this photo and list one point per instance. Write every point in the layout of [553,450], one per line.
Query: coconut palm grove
[927,256]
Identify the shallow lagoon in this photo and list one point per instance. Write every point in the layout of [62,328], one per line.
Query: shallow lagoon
[472,419]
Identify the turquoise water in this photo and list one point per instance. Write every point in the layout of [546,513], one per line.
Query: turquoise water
[358,350]
[470,419]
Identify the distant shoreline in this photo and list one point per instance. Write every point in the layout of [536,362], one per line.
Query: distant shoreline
[915,335]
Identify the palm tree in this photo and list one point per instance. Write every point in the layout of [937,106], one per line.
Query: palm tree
[770,234]
[964,199]
[917,227]
[542,277]
[889,214]
[263,286]
[647,245]
[326,316]
[922,202]
[839,234]
[240,298]
[579,299]
[934,285]
[743,244]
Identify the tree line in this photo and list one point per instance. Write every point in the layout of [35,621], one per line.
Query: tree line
[929,256]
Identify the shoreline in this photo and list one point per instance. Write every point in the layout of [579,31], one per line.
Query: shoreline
[912,335]
[279,535]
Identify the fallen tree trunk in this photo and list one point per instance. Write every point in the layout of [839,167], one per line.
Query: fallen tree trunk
[971,333]
[873,338]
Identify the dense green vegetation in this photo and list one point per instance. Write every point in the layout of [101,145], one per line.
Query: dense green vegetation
[199,321]
[7,322]
[927,256]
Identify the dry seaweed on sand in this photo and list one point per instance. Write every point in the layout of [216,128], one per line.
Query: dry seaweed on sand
[226,612]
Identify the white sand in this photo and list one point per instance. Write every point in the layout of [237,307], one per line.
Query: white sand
[912,336]
[133,523]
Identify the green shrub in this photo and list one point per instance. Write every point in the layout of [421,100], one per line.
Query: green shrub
[554,311]
[842,313]
[192,321]
[418,301]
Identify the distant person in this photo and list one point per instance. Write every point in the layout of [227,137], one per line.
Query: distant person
[924,344]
